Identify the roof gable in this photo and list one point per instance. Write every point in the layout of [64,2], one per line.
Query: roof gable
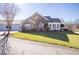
[36,17]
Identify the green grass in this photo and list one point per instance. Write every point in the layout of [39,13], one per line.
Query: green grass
[59,38]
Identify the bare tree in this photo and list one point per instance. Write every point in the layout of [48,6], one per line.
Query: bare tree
[76,22]
[69,25]
[8,11]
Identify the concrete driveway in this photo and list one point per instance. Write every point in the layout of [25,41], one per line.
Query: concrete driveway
[25,47]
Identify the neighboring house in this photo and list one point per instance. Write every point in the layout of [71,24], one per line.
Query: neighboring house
[16,25]
[38,22]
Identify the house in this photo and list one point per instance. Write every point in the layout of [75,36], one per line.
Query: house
[38,22]
[16,25]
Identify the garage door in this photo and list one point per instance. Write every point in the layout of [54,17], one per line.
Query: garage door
[28,26]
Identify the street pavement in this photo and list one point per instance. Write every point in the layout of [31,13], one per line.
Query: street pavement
[25,47]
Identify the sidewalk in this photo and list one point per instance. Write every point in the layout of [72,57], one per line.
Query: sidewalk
[77,32]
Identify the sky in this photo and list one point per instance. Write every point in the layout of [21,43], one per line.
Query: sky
[65,11]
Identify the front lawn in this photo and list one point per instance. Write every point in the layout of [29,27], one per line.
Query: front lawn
[59,38]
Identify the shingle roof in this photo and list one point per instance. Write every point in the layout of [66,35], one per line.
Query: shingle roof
[14,22]
[53,19]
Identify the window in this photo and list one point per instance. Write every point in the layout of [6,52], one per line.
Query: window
[49,25]
[41,25]
[54,26]
[36,17]
[57,26]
